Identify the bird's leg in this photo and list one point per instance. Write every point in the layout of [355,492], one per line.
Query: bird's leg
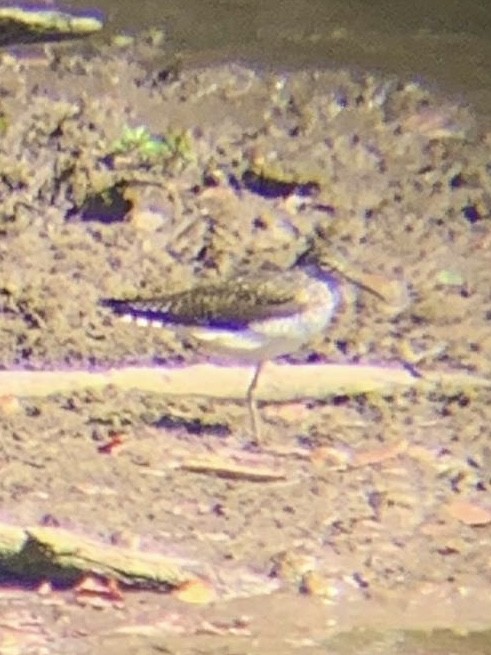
[251,401]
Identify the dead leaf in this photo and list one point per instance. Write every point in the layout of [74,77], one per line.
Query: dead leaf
[98,592]
[9,405]
[197,591]
[114,445]
[469,513]
[378,455]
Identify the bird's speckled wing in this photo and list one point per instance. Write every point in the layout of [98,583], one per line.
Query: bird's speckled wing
[231,305]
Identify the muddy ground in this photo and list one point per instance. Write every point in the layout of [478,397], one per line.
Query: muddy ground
[378,539]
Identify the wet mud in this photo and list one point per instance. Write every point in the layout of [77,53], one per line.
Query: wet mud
[120,176]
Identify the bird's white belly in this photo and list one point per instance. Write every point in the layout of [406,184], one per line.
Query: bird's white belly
[247,345]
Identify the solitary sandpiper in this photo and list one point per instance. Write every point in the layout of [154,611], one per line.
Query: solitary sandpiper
[250,318]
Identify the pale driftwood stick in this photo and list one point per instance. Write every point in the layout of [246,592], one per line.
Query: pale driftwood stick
[277,382]
[37,553]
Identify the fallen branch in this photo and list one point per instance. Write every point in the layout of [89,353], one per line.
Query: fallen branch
[277,382]
[44,553]
[35,24]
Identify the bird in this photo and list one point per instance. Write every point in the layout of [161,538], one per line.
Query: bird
[250,318]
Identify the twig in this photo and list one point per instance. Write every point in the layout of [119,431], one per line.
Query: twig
[277,383]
